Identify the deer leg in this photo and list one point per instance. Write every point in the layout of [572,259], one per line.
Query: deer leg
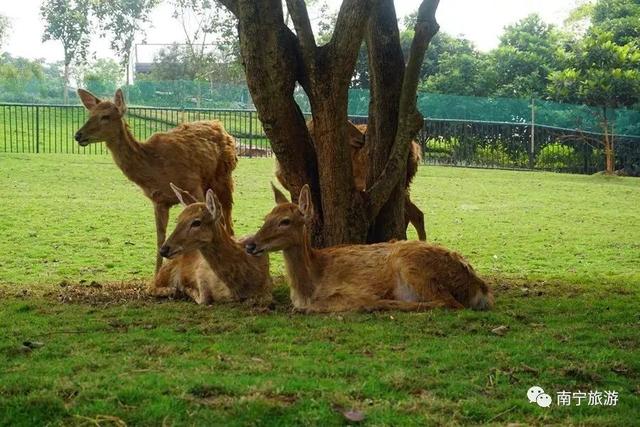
[162,218]
[413,215]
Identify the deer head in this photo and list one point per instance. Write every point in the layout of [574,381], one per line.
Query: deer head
[198,224]
[283,227]
[105,118]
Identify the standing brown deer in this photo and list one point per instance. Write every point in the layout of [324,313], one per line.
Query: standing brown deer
[400,275]
[359,163]
[233,274]
[196,156]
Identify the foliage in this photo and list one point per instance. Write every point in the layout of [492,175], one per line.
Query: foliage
[5,27]
[459,73]
[68,22]
[557,157]
[525,57]
[620,18]
[176,63]
[210,23]
[603,74]
[102,77]
[26,80]
[123,20]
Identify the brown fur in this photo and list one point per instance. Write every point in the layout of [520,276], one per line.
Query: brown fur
[359,163]
[189,275]
[196,156]
[232,273]
[401,275]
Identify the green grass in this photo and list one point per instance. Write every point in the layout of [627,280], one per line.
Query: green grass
[77,244]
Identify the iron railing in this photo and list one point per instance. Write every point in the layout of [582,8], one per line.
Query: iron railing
[50,129]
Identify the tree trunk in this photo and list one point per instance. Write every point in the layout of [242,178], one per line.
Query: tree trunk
[65,95]
[386,73]
[275,59]
[608,145]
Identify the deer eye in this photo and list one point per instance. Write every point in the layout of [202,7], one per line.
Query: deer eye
[196,223]
[285,222]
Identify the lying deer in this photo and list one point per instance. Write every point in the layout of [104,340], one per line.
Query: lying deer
[401,275]
[232,274]
[359,163]
[196,156]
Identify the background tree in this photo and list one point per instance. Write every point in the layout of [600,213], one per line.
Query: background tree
[275,59]
[620,18]
[602,74]
[102,77]
[123,20]
[5,27]
[527,54]
[68,22]
[211,50]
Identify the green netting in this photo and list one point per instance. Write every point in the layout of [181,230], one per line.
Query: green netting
[190,94]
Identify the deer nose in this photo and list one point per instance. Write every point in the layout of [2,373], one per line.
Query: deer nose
[165,251]
[78,136]
[250,247]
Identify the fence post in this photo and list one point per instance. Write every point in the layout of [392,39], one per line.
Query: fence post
[251,131]
[37,129]
[532,148]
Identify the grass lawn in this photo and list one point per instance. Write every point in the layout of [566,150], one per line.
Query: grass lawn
[562,252]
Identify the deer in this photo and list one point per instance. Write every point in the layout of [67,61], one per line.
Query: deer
[399,275]
[196,156]
[359,163]
[201,235]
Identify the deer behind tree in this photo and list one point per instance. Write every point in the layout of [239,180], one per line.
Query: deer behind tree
[196,156]
[360,164]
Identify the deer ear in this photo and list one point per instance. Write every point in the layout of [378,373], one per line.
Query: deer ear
[213,205]
[88,99]
[179,194]
[279,195]
[119,101]
[304,202]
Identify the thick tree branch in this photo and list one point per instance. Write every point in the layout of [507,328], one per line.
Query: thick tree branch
[410,120]
[232,5]
[347,36]
[300,17]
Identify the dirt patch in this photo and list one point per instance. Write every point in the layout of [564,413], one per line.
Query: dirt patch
[102,294]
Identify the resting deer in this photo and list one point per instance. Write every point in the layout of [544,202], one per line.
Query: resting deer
[400,275]
[359,163]
[233,274]
[196,156]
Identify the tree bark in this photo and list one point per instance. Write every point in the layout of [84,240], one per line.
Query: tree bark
[386,73]
[65,95]
[608,145]
[275,59]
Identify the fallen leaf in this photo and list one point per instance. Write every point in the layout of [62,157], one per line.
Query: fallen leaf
[353,416]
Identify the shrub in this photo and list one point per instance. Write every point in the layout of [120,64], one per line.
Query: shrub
[558,157]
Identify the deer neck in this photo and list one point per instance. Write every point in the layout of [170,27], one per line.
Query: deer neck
[231,263]
[299,261]
[127,152]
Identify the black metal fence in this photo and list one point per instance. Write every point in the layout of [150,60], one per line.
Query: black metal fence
[50,129]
